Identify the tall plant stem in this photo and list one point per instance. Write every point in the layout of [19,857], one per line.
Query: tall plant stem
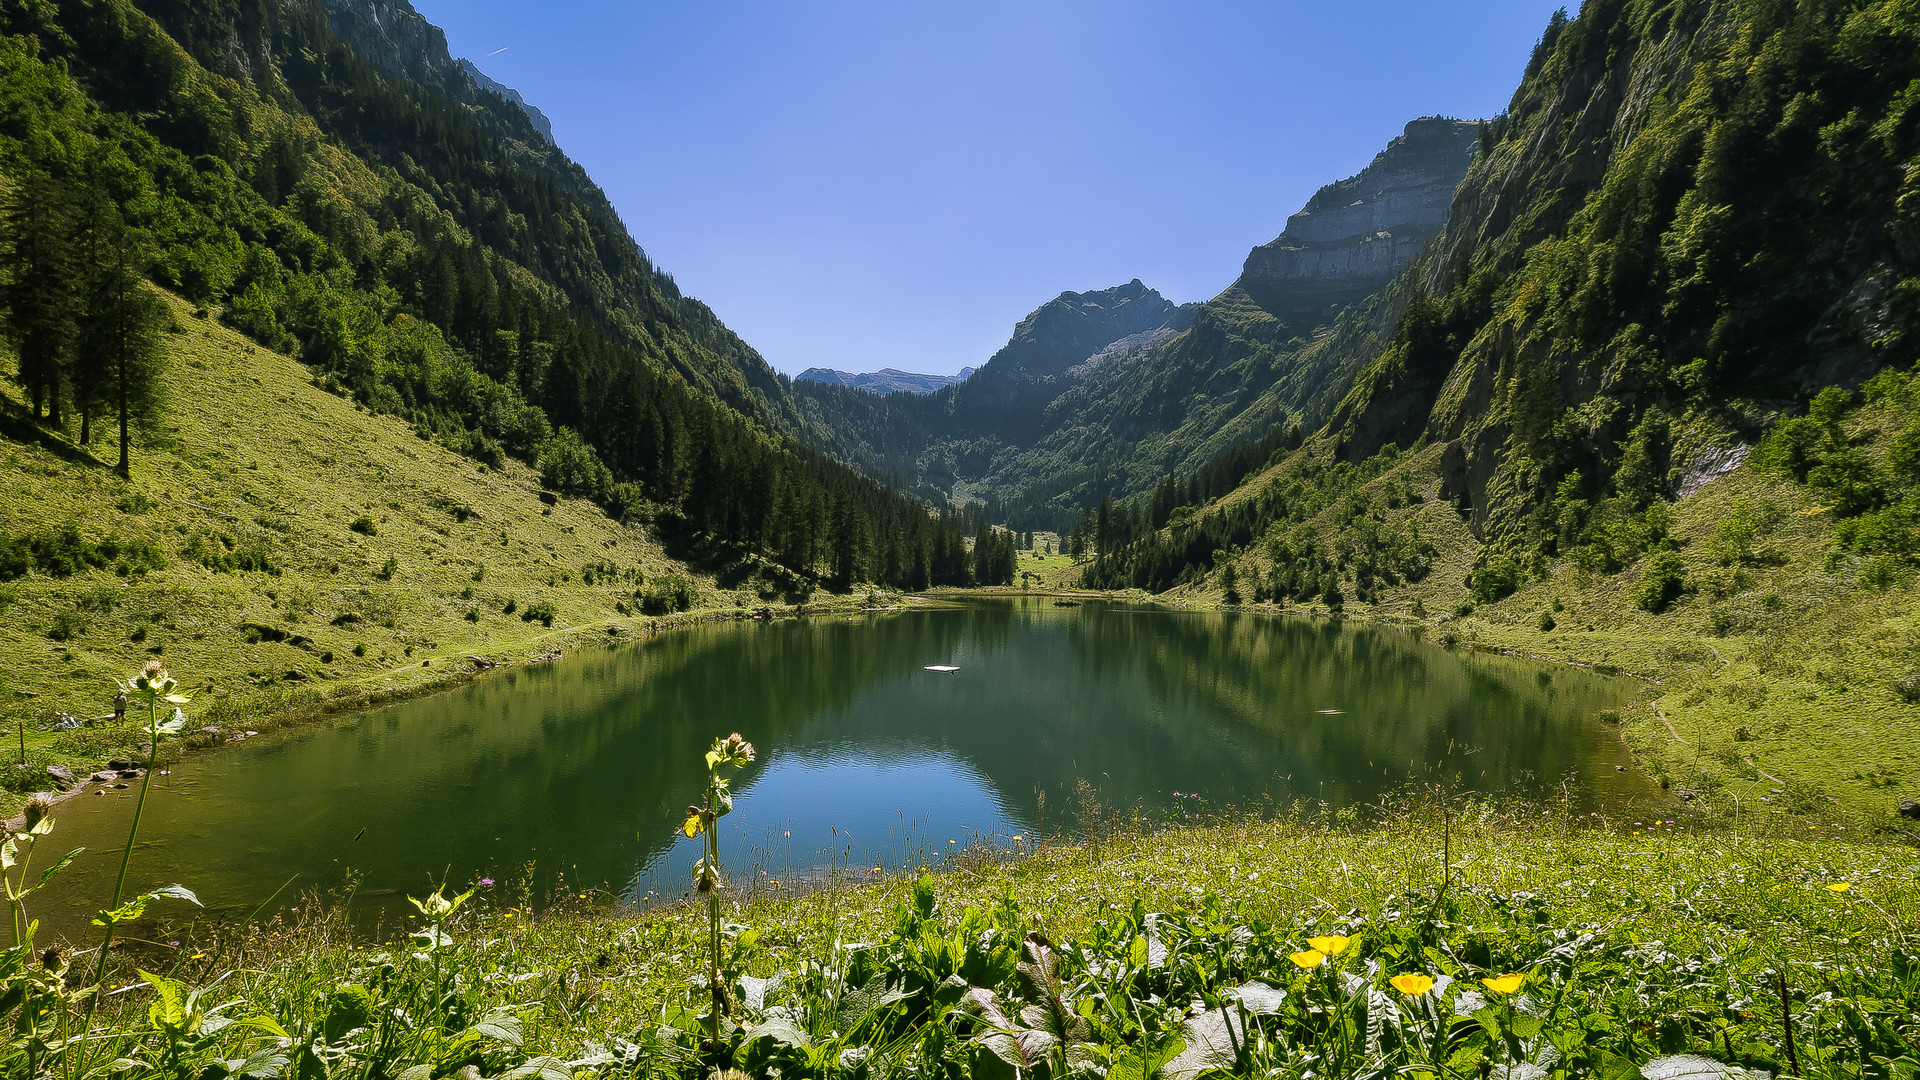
[126,857]
[713,918]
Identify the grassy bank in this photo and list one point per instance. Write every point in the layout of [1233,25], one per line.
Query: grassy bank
[298,555]
[1784,675]
[1632,940]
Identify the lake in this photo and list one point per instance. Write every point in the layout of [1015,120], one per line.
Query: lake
[584,767]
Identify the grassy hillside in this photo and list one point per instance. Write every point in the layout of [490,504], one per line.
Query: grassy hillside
[245,502]
[1784,681]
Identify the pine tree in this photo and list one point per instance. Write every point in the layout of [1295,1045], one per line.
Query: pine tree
[36,299]
[121,349]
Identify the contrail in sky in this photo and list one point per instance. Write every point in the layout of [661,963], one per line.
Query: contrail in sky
[500,50]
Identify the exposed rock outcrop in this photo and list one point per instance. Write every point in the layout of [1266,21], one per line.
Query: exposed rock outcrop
[1354,235]
[400,42]
[1072,327]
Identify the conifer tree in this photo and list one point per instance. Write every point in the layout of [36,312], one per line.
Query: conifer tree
[120,344]
[36,297]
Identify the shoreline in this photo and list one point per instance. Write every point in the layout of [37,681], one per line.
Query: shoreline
[461,668]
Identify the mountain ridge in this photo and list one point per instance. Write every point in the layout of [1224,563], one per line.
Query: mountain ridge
[884,381]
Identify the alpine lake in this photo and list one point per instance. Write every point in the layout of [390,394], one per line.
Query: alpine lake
[575,774]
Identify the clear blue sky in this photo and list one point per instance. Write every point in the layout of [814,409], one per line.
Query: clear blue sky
[867,185]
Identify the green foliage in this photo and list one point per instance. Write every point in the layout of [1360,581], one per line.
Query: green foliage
[364,525]
[540,611]
[485,293]
[1496,579]
[667,595]
[1662,581]
[63,552]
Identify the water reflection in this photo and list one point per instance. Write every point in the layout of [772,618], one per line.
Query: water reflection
[584,767]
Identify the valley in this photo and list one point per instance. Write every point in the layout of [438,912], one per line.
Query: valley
[1480,640]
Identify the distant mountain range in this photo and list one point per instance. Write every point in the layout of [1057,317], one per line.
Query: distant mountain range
[884,381]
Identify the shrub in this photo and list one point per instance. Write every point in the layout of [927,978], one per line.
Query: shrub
[541,612]
[365,526]
[672,593]
[1661,582]
[1496,580]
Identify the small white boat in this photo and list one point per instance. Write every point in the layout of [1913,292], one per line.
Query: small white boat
[941,667]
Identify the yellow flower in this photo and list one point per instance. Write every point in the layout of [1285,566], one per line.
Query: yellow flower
[1312,958]
[1412,985]
[1841,886]
[1505,984]
[1332,945]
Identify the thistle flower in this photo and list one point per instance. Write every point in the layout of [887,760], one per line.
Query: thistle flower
[37,808]
[1412,985]
[1332,945]
[1505,984]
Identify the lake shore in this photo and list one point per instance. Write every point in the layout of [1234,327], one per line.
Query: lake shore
[1480,890]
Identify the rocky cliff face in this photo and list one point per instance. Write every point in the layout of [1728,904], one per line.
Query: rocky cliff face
[1353,236]
[393,37]
[1073,327]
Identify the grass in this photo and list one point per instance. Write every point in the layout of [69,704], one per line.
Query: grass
[392,560]
[1785,691]
[1635,940]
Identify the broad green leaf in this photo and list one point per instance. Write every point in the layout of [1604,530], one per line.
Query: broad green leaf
[1695,1067]
[501,1026]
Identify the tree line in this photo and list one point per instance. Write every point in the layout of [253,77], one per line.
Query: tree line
[74,303]
[390,240]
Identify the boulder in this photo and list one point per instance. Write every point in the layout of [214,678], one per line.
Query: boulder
[106,776]
[122,764]
[1909,809]
[61,774]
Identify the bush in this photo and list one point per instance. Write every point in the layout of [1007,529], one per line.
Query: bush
[63,552]
[365,526]
[673,593]
[541,612]
[1496,580]
[569,466]
[1662,582]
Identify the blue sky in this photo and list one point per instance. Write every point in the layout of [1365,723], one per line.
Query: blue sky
[867,185]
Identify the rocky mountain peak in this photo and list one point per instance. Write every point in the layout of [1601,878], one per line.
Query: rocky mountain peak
[400,42]
[1073,326]
[1355,234]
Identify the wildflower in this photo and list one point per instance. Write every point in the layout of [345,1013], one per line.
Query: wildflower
[508,915]
[485,882]
[1017,837]
[1332,945]
[1841,886]
[36,809]
[1412,985]
[1505,984]
[1310,959]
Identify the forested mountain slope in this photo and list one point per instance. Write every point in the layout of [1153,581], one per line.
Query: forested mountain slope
[1654,400]
[1104,393]
[423,248]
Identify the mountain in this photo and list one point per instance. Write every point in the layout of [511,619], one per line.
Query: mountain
[884,381]
[1353,236]
[326,179]
[1105,393]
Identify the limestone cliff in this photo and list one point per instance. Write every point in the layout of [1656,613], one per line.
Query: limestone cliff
[1354,235]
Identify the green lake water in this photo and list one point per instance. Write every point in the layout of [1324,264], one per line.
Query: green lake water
[583,767]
